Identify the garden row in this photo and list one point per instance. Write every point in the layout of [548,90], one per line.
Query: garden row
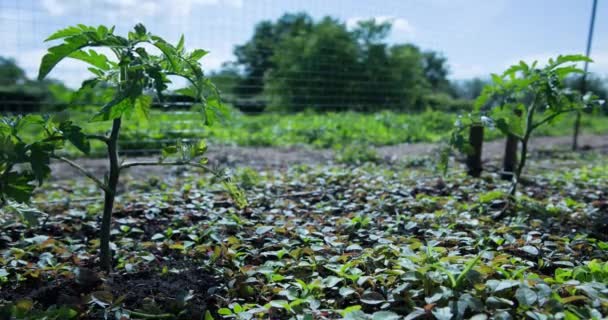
[331,130]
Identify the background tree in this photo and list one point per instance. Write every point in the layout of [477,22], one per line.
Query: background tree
[314,69]
[10,73]
[436,70]
[256,55]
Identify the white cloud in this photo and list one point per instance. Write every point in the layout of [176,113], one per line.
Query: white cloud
[401,26]
[402,29]
[54,7]
[128,8]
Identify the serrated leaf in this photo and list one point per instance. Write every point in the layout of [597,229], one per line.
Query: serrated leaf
[17,186]
[57,53]
[69,32]
[93,58]
[75,135]
[198,54]
[142,107]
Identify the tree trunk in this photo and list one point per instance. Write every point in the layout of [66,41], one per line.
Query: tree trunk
[509,163]
[105,256]
[474,158]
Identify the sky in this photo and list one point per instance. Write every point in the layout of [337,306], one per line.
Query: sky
[478,37]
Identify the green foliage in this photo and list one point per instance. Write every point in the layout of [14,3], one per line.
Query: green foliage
[25,157]
[299,63]
[135,72]
[124,81]
[335,241]
[334,130]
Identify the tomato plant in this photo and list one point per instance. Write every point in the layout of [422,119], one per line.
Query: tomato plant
[132,72]
[524,98]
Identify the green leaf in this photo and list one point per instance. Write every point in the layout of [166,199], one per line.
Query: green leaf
[143,105]
[561,59]
[180,44]
[168,151]
[372,298]
[525,296]
[198,54]
[224,312]
[113,109]
[40,160]
[169,52]
[262,230]
[16,186]
[75,135]
[140,29]
[57,53]
[350,309]
[346,291]
[69,32]
[444,313]
[237,195]
[93,58]
[385,315]
[208,315]
[331,281]
[531,250]
[470,265]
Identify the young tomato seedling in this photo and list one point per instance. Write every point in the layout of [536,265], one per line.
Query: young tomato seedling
[524,98]
[129,74]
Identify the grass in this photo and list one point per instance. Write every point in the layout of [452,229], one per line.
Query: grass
[327,130]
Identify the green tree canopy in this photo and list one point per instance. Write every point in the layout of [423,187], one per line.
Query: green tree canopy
[297,63]
[256,55]
[10,73]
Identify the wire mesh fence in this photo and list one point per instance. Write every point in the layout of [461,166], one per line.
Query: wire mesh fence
[266,57]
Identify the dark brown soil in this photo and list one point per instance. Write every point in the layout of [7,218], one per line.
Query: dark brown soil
[184,285]
[185,289]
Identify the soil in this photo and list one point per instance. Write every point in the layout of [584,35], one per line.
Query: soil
[277,157]
[144,290]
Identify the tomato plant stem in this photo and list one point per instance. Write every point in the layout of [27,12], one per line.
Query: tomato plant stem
[110,194]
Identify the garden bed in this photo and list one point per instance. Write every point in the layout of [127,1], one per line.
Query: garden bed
[377,241]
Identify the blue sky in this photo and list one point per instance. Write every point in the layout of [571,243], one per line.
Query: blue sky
[477,36]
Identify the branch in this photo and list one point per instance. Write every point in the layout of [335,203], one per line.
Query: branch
[83,171]
[551,117]
[101,138]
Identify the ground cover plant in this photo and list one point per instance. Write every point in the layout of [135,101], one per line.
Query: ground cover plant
[371,241]
[127,76]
